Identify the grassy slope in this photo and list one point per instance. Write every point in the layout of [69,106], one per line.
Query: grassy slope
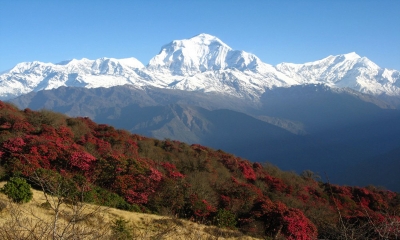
[141,225]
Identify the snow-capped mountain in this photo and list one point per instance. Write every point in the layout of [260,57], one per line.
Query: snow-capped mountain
[202,63]
[199,54]
[34,76]
[348,70]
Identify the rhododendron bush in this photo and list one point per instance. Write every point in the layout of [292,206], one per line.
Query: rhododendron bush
[193,182]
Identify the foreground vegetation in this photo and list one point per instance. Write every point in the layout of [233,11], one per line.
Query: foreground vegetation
[75,161]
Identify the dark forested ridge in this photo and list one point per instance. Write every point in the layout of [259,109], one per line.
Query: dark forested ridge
[138,173]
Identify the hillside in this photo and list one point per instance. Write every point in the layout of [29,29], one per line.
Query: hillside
[313,127]
[99,164]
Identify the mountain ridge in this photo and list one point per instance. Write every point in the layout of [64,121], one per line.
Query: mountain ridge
[202,63]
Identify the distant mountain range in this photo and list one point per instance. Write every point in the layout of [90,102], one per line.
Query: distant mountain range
[202,63]
[334,116]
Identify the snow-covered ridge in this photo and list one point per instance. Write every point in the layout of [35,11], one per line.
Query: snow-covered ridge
[202,63]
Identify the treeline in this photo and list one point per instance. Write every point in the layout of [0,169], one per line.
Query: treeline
[103,165]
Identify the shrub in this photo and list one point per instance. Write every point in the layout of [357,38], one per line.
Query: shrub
[18,190]
[225,219]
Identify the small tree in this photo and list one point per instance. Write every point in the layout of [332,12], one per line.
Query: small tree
[18,190]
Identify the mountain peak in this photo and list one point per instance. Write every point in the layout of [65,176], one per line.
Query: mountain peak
[206,39]
[351,56]
[204,35]
[190,56]
[201,53]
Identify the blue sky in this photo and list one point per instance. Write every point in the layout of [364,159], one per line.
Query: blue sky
[276,31]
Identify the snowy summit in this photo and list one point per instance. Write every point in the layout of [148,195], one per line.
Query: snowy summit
[199,54]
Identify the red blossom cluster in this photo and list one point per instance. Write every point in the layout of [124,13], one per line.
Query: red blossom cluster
[172,171]
[81,160]
[247,170]
[200,207]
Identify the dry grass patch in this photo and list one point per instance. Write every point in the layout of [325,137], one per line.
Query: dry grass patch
[35,220]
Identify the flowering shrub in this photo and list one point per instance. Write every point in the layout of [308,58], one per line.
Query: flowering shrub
[137,189]
[247,170]
[275,184]
[14,145]
[81,160]
[172,171]
[201,208]
[297,226]
[279,219]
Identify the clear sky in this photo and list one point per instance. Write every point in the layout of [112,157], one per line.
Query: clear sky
[276,31]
